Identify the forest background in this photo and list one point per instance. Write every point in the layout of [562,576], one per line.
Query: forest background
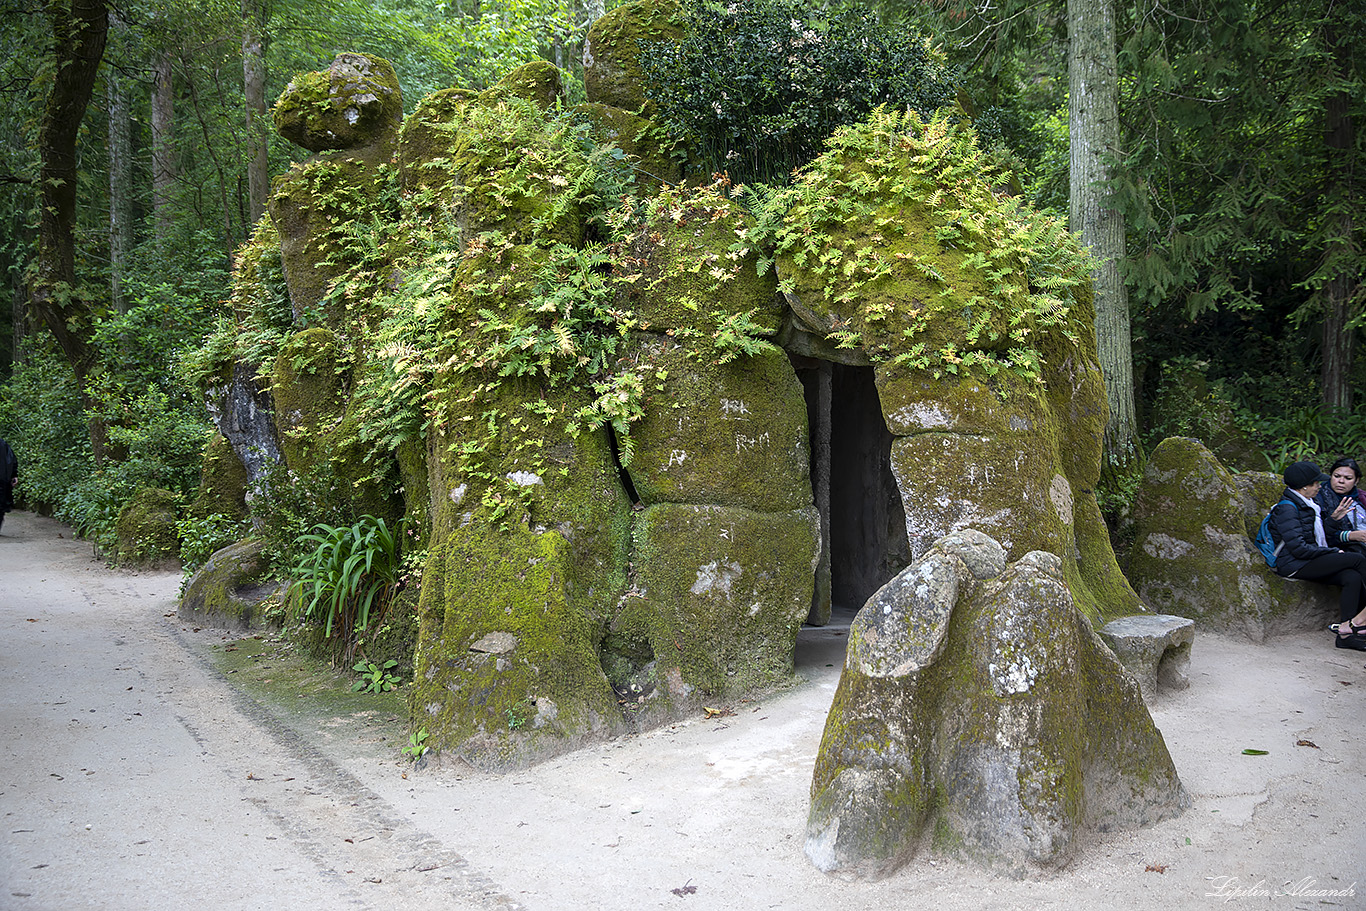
[139,153]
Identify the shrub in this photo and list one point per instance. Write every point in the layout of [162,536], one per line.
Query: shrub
[758,85]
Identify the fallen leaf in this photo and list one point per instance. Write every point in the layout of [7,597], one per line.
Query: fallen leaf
[1306,743]
[684,889]
[1155,868]
[1251,752]
[718,713]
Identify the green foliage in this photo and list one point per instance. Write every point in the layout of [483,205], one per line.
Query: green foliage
[1018,269]
[350,572]
[1315,433]
[375,678]
[416,748]
[42,418]
[758,85]
[203,536]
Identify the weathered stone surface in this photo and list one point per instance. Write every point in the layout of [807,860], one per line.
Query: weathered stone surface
[354,102]
[231,589]
[1193,555]
[146,528]
[222,482]
[538,82]
[731,434]
[498,707]
[718,596]
[242,412]
[611,52]
[979,714]
[1155,648]
[655,155]
[684,274]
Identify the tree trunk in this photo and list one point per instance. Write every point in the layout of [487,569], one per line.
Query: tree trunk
[120,180]
[1093,103]
[1339,335]
[79,31]
[254,83]
[163,145]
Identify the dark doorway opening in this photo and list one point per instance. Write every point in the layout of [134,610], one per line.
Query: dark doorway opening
[863,524]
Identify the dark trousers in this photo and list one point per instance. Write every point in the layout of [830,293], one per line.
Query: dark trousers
[1345,569]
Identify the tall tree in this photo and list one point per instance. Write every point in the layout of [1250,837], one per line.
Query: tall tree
[79,31]
[1094,130]
[254,82]
[120,116]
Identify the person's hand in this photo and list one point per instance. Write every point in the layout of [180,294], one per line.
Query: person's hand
[1356,536]
[1343,507]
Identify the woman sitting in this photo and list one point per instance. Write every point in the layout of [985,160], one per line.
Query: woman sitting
[1297,526]
[1345,504]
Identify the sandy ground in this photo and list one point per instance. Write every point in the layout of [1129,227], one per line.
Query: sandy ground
[141,767]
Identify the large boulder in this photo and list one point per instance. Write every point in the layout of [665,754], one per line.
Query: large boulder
[146,528]
[612,50]
[355,102]
[1193,555]
[979,715]
[231,590]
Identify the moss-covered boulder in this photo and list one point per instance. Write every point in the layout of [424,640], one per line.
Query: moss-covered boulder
[717,598]
[316,423]
[1193,555]
[729,434]
[979,716]
[538,82]
[612,49]
[656,155]
[508,671]
[232,590]
[311,204]
[145,530]
[354,102]
[688,267]
[222,482]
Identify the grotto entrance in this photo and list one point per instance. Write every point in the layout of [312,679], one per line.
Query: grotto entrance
[863,524]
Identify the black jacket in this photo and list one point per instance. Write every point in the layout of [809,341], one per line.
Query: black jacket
[1292,524]
[9,470]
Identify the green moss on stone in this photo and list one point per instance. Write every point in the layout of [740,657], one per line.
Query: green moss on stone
[733,434]
[538,82]
[355,102]
[720,594]
[687,265]
[511,675]
[146,527]
[656,156]
[611,54]
[222,482]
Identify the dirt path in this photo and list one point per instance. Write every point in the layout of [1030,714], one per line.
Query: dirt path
[140,768]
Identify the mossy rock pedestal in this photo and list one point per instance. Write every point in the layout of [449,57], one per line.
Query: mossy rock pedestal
[978,714]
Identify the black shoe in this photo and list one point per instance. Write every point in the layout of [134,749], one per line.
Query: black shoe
[1352,642]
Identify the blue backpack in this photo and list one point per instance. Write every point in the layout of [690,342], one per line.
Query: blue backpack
[1264,541]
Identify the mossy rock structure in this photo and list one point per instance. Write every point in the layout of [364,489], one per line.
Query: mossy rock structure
[980,716]
[1194,557]
[354,102]
[146,528]
[633,446]
[231,589]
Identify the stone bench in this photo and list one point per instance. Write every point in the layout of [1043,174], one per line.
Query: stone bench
[1156,648]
